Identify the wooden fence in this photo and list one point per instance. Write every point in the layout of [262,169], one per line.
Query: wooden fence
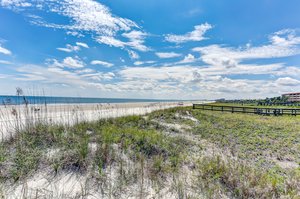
[253,110]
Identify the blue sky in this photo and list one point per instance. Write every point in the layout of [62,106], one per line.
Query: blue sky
[150,49]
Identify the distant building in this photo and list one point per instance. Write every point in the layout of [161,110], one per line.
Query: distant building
[292,97]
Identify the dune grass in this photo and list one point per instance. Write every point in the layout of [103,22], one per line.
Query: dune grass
[179,153]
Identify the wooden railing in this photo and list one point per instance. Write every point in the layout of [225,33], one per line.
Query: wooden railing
[253,110]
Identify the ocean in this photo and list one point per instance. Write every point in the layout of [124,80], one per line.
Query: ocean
[15,100]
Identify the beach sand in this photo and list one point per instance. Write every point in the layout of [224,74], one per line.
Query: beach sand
[14,118]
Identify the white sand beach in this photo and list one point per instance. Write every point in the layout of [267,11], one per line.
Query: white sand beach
[14,118]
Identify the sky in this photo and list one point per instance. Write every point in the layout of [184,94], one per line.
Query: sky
[166,49]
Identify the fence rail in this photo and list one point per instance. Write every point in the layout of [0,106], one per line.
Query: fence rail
[253,110]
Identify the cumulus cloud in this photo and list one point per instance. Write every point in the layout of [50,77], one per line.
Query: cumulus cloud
[169,81]
[182,73]
[196,35]
[197,80]
[4,51]
[287,81]
[291,71]
[166,55]
[73,62]
[188,59]
[57,75]
[102,63]
[285,37]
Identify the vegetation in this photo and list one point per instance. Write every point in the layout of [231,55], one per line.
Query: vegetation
[174,153]
[273,101]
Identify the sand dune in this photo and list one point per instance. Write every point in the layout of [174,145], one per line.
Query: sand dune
[16,118]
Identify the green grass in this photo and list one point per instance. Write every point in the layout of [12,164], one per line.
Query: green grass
[252,137]
[242,181]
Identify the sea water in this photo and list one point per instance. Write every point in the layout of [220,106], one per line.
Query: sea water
[13,100]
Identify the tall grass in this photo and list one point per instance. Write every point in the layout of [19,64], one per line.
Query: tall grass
[42,140]
[215,155]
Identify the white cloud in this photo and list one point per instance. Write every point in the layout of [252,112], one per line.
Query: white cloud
[186,81]
[53,75]
[136,41]
[246,69]
[195,35]
[282,44]
[5,62]
[81,44]
[285,37]
[99,76]
[68,62]
[2,76]
[135,35]
[102,63]
[288,71]
[138,63]
[86,15]
[69,48]
[182,73]
[86,70]
[74,33]
[15,3]
[188,59]
[165,55]
[133,55]
[111,41]
[167,82]
[287,81]
[73,62]
[5,51]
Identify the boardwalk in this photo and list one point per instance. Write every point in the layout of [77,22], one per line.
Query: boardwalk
[253,110]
